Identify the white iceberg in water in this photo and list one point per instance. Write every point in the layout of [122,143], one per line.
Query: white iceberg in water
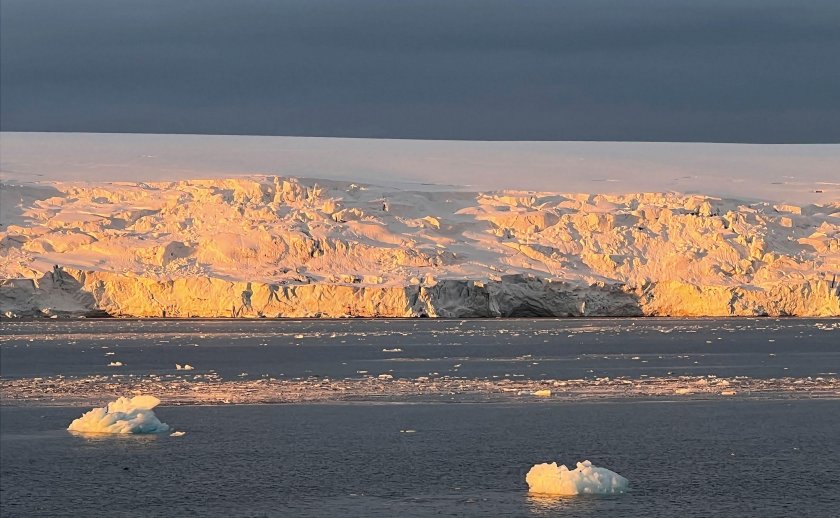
[551,479]
[124,415]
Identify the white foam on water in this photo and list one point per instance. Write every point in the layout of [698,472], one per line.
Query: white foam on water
[551,479]
[123,416]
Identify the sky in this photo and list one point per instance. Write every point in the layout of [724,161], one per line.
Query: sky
[760,71]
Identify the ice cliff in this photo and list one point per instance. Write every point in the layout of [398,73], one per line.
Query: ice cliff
[273,246]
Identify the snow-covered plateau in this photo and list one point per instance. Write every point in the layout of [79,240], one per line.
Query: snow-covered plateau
[286,247]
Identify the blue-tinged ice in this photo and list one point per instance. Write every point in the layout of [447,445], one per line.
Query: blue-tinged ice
[129,416]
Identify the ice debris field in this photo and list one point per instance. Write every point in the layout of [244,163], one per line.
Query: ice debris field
[542,361]
[212,389]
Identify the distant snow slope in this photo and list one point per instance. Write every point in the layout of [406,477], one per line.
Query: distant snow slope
[780,173]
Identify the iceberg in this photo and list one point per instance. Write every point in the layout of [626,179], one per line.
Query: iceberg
[123,416]
[551,479]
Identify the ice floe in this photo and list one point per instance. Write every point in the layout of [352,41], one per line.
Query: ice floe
[123,416]
[551,479]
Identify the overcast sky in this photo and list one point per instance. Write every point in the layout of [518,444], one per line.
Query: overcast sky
[653,70]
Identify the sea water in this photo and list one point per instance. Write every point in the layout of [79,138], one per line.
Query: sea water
[738,456]
[532,349]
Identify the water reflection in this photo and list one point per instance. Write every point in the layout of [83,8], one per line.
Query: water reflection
[541,504]
[143,438]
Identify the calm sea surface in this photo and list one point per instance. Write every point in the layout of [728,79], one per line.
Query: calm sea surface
[535,349]
[734,457]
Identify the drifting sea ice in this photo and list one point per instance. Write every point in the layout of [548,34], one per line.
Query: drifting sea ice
[551,479]
[129,416]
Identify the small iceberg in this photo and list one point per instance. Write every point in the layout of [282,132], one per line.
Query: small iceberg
[115,364]
[186,367]
[586,479]
[128,416]
[177,434]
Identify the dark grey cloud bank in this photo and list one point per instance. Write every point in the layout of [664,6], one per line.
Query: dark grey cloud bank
[657,70]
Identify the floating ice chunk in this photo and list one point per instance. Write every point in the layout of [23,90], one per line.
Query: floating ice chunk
[542,393]
[124,415]
[116,364]
[394,350]
[552,479]
[186,367]
[177,434]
